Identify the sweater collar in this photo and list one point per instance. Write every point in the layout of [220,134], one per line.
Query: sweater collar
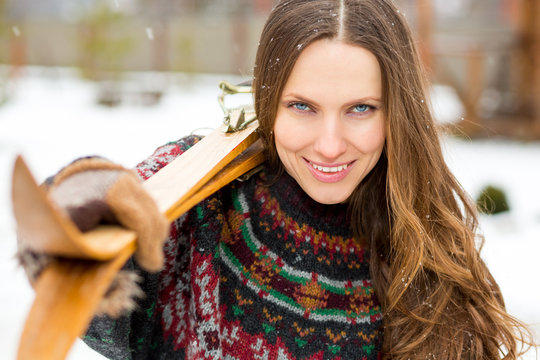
[298,205]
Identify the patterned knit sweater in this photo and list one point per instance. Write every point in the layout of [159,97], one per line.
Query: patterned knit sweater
[252,272]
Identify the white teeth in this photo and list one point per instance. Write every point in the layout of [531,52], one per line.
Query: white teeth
[329,169]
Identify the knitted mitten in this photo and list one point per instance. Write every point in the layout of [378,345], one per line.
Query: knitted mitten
[94,191]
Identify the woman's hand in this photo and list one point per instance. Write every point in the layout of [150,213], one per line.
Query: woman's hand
[94,191]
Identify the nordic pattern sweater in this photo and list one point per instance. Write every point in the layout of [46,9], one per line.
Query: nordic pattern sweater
[252,272]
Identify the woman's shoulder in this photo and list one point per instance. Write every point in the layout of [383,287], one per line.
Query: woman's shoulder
[164,155]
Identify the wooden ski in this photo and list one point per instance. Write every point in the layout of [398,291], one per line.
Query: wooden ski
[69,290]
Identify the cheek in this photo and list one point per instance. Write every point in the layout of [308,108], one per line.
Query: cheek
[371,139]
[289,135]
[286,147]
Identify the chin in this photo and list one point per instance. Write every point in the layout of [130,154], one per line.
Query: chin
[329,199]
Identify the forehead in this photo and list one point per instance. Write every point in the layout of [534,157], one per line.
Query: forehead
[334,68]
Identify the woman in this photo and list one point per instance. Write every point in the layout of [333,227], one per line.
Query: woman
[354,242]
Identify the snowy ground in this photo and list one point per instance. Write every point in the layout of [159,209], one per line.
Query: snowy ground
[52,118]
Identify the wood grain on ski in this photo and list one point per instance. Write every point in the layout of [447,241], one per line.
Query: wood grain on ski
[66,297]
[243,163]
[175,183]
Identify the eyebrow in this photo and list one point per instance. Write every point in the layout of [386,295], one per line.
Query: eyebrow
[353,102]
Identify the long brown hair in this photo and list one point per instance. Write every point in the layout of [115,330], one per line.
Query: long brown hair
[439,299]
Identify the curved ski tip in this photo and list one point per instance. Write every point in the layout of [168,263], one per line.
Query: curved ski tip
[20,167]
[21,175]
[19,161]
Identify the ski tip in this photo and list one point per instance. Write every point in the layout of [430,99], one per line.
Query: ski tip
[21,168]
[23,182]
[21,177]
[19,162]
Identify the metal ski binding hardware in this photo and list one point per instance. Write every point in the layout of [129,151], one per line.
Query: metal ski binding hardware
[238,118]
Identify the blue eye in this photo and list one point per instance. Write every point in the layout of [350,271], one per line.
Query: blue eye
[300,106]
[361,108]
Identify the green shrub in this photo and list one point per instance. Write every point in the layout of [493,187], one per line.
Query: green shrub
[492,200]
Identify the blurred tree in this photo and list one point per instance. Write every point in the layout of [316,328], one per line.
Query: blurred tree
[425,31]
[263,6]
[529,53]
[104,42]
[158,14]
[3,31]
[184,59]
[4,41]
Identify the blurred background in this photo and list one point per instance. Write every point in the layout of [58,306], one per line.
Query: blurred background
[486,50]
[118,78]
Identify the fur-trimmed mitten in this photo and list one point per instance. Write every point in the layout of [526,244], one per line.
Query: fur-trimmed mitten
[94,191]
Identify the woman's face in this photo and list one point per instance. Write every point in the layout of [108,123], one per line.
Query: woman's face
[329,128]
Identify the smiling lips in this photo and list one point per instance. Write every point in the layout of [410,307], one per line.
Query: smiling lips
[329,174]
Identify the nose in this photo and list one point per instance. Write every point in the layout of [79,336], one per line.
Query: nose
[331,141]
